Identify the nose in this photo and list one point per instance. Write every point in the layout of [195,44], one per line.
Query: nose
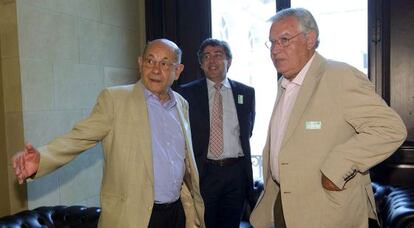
[211,60]
[157,67]
[276,48]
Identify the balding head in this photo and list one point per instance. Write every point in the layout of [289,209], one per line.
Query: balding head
[166,42]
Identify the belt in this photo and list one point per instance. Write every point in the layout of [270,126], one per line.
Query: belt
[164,206]
[224,162]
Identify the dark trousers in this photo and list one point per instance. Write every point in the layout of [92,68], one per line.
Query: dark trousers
[167,216]
[278,213]
[223,192]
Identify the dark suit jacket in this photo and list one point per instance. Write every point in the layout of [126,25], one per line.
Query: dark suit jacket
[196,94]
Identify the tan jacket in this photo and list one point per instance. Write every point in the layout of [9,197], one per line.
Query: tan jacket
[339,127]
[120,121]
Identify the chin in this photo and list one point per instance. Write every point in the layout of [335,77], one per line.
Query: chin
[280,71]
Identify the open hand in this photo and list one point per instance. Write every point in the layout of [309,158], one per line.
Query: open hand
[26,162]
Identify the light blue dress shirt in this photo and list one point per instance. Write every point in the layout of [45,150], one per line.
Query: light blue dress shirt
[168,147]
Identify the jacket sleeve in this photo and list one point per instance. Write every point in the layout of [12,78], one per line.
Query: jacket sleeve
[84,135]
[379,130]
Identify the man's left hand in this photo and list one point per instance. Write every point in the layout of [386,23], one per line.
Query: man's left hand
[328,184]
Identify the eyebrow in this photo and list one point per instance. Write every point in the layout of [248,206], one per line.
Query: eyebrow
[213,52]
[152,56]
[284,34]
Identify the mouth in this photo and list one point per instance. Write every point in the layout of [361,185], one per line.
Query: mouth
[278,60]
[154,80]
[212,67]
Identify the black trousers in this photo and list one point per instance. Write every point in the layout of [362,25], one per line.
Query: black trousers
[223,189]
[278,216]
[167,216]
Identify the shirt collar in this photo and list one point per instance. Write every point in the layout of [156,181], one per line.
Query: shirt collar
[151,97]
[298,80]
[225,83]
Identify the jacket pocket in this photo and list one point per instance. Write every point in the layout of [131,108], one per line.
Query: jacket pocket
[112,209]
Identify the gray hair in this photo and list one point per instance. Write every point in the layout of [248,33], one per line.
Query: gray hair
[306,20]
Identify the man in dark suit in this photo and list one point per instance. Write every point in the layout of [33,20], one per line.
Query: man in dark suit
[222,113]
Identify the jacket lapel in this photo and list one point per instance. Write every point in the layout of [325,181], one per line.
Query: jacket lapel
[189,155]
[204,101]
[305,94]
[236,93]
[140,117]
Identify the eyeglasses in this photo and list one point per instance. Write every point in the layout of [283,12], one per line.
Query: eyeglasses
[215,56]
[283,41]
[164,64]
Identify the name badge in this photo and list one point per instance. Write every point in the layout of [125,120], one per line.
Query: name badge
[240,99]
[313,125]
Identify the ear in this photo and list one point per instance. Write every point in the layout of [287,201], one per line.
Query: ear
[178,70]
[311,41]
[139,62]
[228,64]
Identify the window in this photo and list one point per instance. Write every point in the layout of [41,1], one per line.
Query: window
[342,29]
[243,24]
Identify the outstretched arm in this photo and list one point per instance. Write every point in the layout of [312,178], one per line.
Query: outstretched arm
[26,162]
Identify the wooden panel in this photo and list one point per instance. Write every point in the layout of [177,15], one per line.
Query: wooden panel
[402,61]
[397,79]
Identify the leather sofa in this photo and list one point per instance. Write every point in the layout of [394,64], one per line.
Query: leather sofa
[53,216]
[80,216]
[395,206]
[67,217]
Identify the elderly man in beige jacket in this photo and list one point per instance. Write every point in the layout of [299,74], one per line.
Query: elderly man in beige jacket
[143,128]
[328,128]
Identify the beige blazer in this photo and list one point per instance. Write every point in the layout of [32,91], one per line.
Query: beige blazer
[120,121]
[339,127]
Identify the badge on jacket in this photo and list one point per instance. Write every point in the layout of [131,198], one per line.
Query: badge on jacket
[313,125]
[239,99]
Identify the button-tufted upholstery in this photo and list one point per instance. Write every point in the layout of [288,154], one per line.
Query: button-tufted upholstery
[53,216]
[80,216]
[395,206]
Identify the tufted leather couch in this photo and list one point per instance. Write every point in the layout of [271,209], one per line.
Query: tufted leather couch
[80,216]
[53,216]
[68,217]
[395,206]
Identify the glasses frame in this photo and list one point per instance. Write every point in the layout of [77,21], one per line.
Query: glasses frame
[164,65]
[283,41]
